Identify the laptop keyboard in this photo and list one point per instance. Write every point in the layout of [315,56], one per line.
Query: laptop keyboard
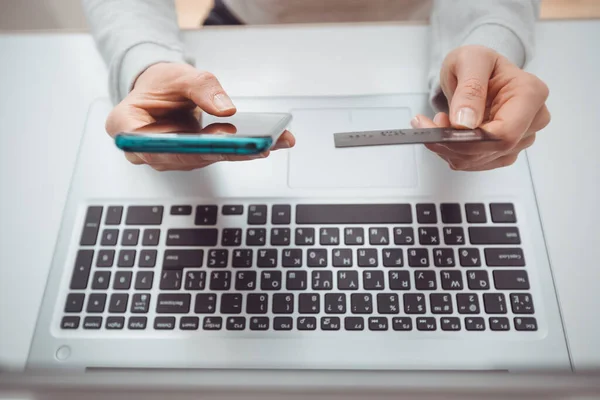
[302,267]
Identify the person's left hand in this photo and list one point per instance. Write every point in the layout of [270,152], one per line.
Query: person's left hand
[484,89]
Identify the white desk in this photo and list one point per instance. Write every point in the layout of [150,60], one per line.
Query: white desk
[48,82]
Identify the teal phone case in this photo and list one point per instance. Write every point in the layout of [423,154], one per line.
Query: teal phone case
[193,144]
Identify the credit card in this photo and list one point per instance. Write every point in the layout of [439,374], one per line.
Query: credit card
[410,136]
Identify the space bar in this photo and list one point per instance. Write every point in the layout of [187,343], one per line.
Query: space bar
[353,214]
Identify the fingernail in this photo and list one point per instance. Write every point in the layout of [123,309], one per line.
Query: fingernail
[466,117]
[436,119]
[223,102]
[415,122]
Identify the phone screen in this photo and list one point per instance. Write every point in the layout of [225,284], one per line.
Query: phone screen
[245,124]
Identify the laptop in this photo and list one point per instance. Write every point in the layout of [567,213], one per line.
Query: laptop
[317,258]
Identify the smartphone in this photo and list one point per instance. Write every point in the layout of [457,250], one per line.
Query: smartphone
[244,133]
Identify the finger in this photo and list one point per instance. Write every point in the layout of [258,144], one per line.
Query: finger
[541,120]
[127,118]
[285,141]
[206,92]
[134,159]
[441,119]
[220,127]
[499,162]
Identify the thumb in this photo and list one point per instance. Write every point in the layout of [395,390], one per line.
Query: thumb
[206,92]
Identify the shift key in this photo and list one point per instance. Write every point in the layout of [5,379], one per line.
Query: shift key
[494,235]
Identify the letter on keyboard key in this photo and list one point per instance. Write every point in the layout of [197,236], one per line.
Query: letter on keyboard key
[511,279]
[257,214]
[499,324]
[521,303]
[330,323]
[245,280]
[92,323]
[342,258]
[81,272]
[189,323]
[494,235]
[204,237]
[475,213]
[306,323]
[426,324]
[373,280]
[220,280]
[242,258]
[404,236]
[322,280]
[450,324]
[399,280]
[378,324]
[353,214]
[392,257]
[475,324]
[137,323]
[469,257]
[402,324]
[113,323]
[525,324]
[503,213]
[173,303]
[212,323]
[259,323]
[281,214]
[478,280]
[354,323]
[236,323]
[426,214]
[164,323]
[347,280]
[144,215]
[296,280]
[507,257]
[283,323]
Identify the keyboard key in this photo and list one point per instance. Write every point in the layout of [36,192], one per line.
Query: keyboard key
[341,257]
[151,237]
[418,257]
[316,258]
[206,215]
[259,324]
[164,323]
[305,236]
[212,323]
[443,257]
[373,280]
[92,323]
[220,280]
[233,209]
[335,303]
[179,259]
[469,257]
[399,280]
[137,323]
[74,302]
[256,237]
[69,322]
[499,324]
[347,280]
[495,303]
[309,303]
[170,280]
[467,303]
[126,258]
[283,323]
[425,280]
[101,280]
[81,272]
[202,237]
[296,280]
[231,303]
[257,303]
[217,258]
[231,237]
[426,214]
[314,214]
[144,215]
[109,237]
[429,235]
[267,258]
[451,280]
[440,303]
[143,280]
[205,303]
[504,257]
[494,235]
[291,258]
[306,323]
[354,236]
[414,303]
[91,226]
[379,236]
[130,237]
[426,324]
[283,303]
[404,236]
[140,303]
[147,258]
[281,214]
[354,323]
[478,280]
[450,213]
[402,323]
[450,323]
[475,324]
[113,215]
[189,323]
[118,303]
[511,279]
[322,280]
[475,213]
[96,303]
[392,257]
[525,324]
[173,303]
[521,303]
[388,303]
[270,280]
[242,258]
[181,210]
[454,235]
[367,257]
[378,324]
[329,236]
[503,213]
[245,280]
[280,236]
[122,280]
[361,303]
[115,323]
[195,280]
[105,258]
[330,323]
[257,214]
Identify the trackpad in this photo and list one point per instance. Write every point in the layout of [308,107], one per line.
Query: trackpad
[316,163]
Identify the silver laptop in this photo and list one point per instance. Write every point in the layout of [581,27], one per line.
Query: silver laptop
[377,258]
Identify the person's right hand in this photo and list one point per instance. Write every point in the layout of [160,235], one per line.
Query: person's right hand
[168,90]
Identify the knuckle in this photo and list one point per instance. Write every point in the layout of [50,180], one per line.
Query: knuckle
[508,160]
[473,89]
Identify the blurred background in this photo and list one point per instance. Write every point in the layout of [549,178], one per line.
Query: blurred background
[66,15]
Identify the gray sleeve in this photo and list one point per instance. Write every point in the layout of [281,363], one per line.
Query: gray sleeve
[506,26]
[133,35]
